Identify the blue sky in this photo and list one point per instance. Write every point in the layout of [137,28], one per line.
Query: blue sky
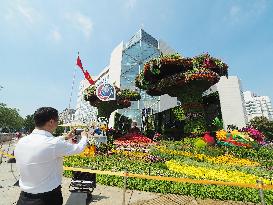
[39,41]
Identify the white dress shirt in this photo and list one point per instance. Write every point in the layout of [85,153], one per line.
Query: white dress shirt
[39,157]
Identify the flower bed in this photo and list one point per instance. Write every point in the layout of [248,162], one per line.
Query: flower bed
[222,159]
[214,174]
[184,159]
[133,139]
[137,155]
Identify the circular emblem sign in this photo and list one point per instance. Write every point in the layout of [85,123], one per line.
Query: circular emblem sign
[106,92]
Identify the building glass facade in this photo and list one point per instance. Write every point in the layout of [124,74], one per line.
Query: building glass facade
[140,48]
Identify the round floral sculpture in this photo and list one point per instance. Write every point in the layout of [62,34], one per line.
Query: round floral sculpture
[105,108]
[184,78]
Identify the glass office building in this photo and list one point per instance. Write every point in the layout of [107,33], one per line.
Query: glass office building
[136,52]
[125,63]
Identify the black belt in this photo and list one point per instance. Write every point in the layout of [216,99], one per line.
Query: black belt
[39,195]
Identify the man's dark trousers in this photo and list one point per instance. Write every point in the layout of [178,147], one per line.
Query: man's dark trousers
[53,197]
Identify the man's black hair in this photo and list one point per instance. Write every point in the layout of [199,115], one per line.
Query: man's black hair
[44,114]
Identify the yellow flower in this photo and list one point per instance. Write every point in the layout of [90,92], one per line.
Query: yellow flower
[214,174]
[231,160]
[223,159]
[221,134]
[246,137]
[235,132]
[86,151]
[89,151]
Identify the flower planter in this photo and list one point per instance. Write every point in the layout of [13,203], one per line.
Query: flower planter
[170,69]
[105,108]
[149,76]
[220,71]
[182,78]
[154,92]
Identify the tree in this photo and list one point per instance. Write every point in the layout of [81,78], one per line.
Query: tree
[29,123]
[186,79]
[10,119]
[59,130]
[263,125]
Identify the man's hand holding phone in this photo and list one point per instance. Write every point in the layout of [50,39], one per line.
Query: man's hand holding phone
[75,133]
[70,135]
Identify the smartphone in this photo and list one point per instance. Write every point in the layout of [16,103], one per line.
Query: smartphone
[78,131]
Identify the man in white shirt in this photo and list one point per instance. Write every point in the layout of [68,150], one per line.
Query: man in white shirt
[39,157]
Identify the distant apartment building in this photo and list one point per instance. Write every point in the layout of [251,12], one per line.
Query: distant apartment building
[257,106]
[67,115]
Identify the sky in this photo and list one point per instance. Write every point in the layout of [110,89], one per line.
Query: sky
[39,41]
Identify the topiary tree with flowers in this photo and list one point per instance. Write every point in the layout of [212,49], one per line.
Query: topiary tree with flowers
[184,78]
[105,108]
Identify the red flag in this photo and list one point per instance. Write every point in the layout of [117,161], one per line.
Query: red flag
[88,77]
[79,63]
[86,74]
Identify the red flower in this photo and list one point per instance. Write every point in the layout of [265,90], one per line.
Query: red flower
[133,139]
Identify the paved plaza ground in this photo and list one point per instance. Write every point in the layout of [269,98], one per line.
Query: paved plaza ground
[102,195]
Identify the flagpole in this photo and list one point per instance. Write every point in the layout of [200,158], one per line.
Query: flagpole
[86,76]
[72,88]
[71,93]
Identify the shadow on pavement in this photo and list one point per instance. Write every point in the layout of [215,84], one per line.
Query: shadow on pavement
[96,198]
[79,198]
